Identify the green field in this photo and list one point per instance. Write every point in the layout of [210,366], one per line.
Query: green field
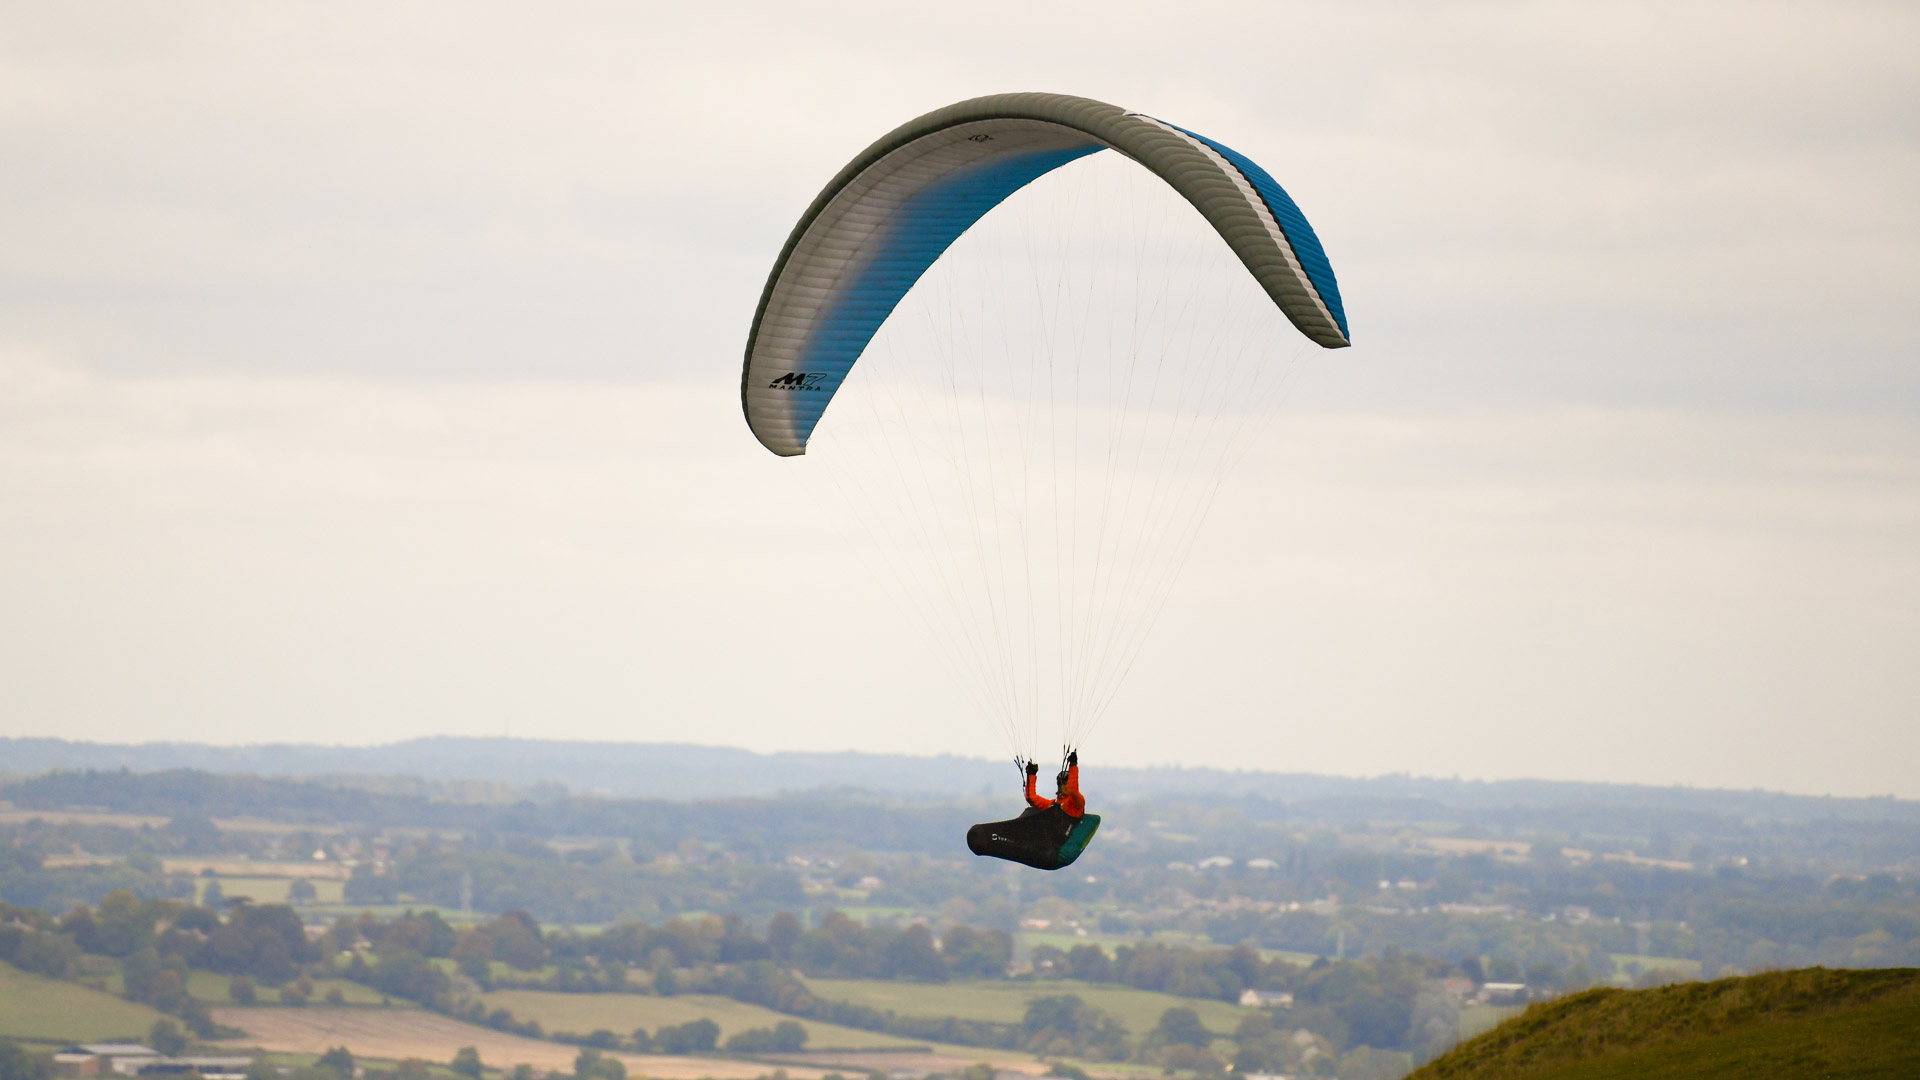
[1006,1002]
[32,1007]
[330,911]
[1807,1023]
[217,990]
[1065,940]
[504,972]
[621,1013]
[270,890]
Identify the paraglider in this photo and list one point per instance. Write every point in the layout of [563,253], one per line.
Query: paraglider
[1049,833]
[1048,453]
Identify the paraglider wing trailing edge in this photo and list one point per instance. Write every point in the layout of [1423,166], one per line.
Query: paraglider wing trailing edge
[891,213]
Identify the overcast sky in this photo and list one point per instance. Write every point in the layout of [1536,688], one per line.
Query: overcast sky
[370,371]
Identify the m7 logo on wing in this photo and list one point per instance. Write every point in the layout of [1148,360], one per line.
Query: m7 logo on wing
[794,380]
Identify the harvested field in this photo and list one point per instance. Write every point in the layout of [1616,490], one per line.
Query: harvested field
[886,1062]
[62,862]
[82,817]
[249,869]
[11,815]
[397,1034]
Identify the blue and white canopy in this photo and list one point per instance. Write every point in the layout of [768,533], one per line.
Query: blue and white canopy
[898,206]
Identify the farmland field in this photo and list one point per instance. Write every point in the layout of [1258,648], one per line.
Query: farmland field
[621,1013]
[217,990]
[36,1008]
[270,890]
[397,1034]
[1007,1002]
[247,868]
[1109,943]
[82,817]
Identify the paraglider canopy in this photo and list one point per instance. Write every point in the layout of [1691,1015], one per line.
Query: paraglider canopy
[896,208]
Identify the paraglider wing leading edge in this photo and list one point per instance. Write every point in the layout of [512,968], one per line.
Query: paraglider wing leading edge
[896,208]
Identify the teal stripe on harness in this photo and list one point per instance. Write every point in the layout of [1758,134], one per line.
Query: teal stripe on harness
[1078,839]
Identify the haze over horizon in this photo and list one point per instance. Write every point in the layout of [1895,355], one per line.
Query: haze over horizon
[696,772]
[363,380]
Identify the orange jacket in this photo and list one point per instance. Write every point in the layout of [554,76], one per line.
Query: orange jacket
[1072,802]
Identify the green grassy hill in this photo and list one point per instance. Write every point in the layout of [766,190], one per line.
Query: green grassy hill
[1784,1024]
[32,1007]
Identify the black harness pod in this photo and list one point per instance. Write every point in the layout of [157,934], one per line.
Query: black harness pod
[1043,839]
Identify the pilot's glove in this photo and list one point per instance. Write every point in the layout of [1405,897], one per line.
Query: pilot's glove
[1073,757]
[1033,768]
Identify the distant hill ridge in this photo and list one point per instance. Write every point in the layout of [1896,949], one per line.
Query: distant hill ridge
[1811,1022]
[682,772]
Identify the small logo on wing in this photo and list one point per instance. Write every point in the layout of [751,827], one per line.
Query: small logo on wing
[794,380]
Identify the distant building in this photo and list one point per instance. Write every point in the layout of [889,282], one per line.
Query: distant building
[1501,991]
[1266,999]
[133,1059]
[1478,909]
[76,1062]
[98,1059]
[213,1068]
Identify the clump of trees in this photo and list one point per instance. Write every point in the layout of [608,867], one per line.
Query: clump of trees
[156,942]
[32,941]
[17,1063]
[786,1037]
[593,1065]
[693,1037]
[1063,1025]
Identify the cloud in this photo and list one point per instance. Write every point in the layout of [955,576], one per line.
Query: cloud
[1715,599]
[367,371]
[1629,204]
